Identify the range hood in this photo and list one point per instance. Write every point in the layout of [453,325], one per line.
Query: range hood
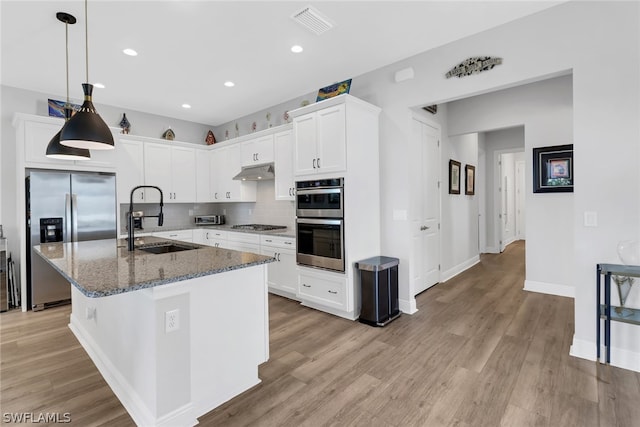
[256,173]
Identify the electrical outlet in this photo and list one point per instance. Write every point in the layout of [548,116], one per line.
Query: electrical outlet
[172,320]
[91,313]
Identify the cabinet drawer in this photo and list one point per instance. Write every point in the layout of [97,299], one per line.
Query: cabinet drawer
[243,237]
[327,291]
[277,241]
[184,235]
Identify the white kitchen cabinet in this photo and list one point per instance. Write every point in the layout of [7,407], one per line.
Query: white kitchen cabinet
[257,151]
[225,163]
[283,162]
[38,131]
[210,237]
[246,242]
[182,235]
[130,170]
[203,179]
[173,169]
[282,277]
[323,288]
[320,141]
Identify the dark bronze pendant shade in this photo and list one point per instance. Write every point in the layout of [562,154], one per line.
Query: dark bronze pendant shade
[55,150]
[86,129]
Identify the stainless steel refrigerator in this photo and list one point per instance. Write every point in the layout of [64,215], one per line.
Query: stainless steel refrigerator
[64,207]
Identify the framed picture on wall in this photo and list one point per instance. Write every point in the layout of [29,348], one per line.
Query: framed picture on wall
[553,169]
[454,177]
[470,180]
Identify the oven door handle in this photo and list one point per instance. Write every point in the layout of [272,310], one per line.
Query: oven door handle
[303,191]
[319,221]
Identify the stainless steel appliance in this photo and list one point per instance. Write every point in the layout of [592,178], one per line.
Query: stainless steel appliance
[320,224]
[322,198]
[209,219]
[64,207]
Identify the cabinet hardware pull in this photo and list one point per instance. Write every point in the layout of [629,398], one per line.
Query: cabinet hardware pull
[207,237]
[314,163]
[278,257]
[333,292]
[268,240]
[318,163]
[287,243]
[306,286]
[141,195]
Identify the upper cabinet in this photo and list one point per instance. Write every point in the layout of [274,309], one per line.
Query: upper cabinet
[34,134]
[203,179]
[225,163]
[320,141]
[130,170]
[283,163]
[257,151]
[173,169]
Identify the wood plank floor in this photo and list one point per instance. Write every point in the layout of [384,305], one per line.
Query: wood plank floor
[479,352]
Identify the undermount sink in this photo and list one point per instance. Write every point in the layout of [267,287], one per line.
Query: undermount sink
[165,248]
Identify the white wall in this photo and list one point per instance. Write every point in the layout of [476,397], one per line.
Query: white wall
[572,37]
[459,222]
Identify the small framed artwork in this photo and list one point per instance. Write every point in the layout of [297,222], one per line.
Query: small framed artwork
[334,90]
[553,169]
[56,108]
[470,180]
[454,177]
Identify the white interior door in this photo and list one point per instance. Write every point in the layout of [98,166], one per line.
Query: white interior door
[426,216]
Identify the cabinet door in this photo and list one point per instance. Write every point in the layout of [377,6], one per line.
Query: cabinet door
[304,130]
[234,190]
[329,290]
[216,162]
[281,274]
[203,180]
[257,151]
[130,170]
[183,175]
[157,171]
[36,139]
[283,162]
[331,143]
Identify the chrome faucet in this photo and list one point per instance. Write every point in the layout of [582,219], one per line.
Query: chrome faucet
[160,216]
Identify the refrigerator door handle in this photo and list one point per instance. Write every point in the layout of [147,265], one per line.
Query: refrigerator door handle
[67,218]
[74,216]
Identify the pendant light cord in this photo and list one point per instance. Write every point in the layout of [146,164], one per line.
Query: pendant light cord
[86,37]
[66,34]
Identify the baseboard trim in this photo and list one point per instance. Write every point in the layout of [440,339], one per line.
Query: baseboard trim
[550,288]
[408,306]
[448,274]
[120,387]
[620,357]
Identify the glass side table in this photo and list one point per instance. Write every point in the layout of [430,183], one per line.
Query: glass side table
[608,312]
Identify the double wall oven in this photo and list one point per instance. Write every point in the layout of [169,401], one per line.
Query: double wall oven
[320,223]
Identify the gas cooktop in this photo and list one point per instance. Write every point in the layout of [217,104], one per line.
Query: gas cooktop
[258,227]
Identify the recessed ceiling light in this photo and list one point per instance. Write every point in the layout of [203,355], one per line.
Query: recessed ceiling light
[130,52]
[229,84]
[98,85]
[186,106]
[296,49]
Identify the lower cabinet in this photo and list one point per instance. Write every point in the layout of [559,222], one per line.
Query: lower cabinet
[182,235]
[324,288]
[282,277]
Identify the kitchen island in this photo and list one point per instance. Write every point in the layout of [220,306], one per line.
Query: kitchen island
[174,334]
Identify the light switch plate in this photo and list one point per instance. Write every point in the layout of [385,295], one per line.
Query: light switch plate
[590,219]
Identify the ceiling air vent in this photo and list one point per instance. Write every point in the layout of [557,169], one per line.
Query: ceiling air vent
[312,20]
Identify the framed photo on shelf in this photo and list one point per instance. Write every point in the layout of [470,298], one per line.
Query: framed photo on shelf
[553,169]
[454,177]
[470,180]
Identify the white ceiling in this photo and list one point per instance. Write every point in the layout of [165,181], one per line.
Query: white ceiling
[188,49]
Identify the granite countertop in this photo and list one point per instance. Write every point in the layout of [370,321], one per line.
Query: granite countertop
[284,232]
[99,268]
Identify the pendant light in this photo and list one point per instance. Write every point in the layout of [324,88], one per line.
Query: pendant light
[56,150]
[86,129]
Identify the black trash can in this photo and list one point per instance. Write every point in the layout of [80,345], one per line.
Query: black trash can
[379,290]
